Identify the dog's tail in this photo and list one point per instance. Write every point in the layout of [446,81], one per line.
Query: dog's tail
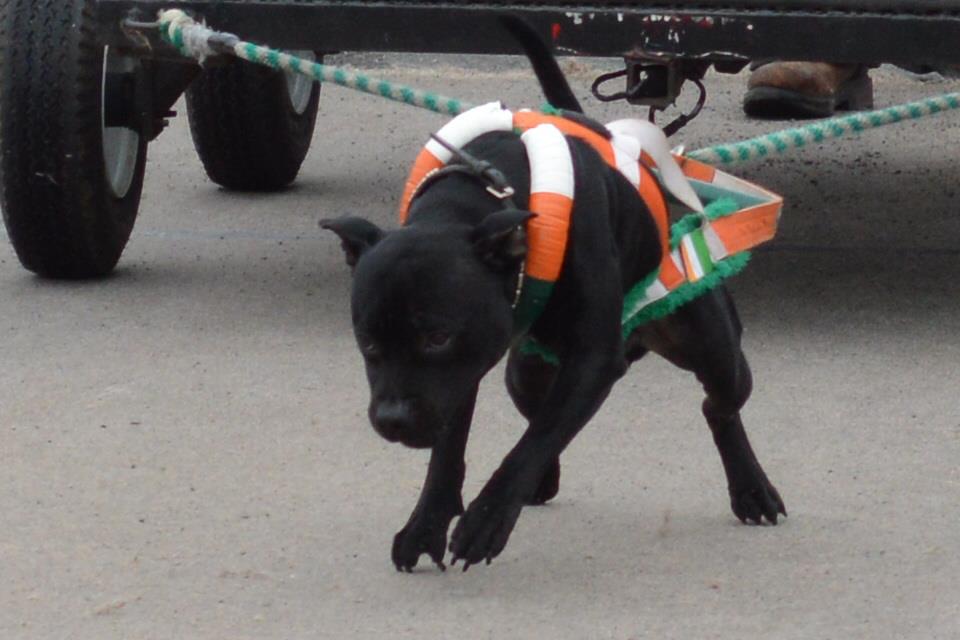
[552,81]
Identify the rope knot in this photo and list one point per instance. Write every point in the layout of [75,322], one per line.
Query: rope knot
[186,35]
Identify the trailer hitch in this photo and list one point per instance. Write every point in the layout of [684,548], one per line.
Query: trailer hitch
[656,80]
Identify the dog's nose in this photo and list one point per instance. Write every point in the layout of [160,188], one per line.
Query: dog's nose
[391,420]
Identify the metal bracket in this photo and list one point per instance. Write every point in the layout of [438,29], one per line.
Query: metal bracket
[653,80]
[656,80]
[684,118]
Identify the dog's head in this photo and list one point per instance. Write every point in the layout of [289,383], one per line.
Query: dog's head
[431,309]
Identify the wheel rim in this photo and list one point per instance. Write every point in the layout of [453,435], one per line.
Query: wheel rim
[299,86]
[121,145]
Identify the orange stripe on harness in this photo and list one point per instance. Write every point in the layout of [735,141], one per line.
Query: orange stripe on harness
[652,196]
[696,170]
[426,162]
[749,227]
[548,232]
[670,274]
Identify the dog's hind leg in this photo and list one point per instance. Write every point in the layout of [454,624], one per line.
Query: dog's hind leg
[703,336]
[529,378]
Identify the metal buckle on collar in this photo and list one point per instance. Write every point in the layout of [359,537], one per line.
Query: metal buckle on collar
[505,192]
[496,182]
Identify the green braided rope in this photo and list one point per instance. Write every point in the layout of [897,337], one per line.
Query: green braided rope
[174,35]
[799,137]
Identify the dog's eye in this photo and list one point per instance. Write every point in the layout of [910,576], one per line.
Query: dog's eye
[368,346]
[436,340]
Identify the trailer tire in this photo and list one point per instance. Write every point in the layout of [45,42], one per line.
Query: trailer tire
[251,125]
[67,213]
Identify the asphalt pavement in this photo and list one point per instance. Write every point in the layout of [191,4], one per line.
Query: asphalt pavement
[185,452]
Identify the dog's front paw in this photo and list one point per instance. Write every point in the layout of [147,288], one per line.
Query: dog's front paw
[425,533]
[482,532]
[755,499]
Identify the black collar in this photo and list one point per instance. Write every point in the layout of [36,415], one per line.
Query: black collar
[491,177]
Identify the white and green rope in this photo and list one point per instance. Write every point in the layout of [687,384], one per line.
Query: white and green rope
[197,41]
[799,137]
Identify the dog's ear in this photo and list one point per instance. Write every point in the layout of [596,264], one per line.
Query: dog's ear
[501,239]
[356,235]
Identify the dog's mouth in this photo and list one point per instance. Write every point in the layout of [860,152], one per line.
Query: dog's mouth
[424,440]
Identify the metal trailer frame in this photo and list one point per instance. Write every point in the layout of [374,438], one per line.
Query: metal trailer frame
[917,34]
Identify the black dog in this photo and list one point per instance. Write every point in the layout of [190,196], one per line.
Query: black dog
[431,307]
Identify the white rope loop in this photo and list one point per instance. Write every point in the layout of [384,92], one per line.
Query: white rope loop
[193,38]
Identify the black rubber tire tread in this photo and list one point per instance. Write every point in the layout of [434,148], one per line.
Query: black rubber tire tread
[245,129]
[61,215]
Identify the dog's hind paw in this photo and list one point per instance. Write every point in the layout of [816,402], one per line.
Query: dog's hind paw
[425,533]
[757,501]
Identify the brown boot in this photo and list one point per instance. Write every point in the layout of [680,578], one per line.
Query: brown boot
[807,90]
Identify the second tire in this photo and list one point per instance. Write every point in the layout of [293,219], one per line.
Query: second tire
[252,125]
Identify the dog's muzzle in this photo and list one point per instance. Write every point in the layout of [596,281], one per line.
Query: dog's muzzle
[400,421]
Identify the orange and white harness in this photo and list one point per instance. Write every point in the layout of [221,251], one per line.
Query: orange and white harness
[639,151]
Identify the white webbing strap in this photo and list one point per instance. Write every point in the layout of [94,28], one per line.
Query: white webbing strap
[551,165]
[634,137]
[470,125]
